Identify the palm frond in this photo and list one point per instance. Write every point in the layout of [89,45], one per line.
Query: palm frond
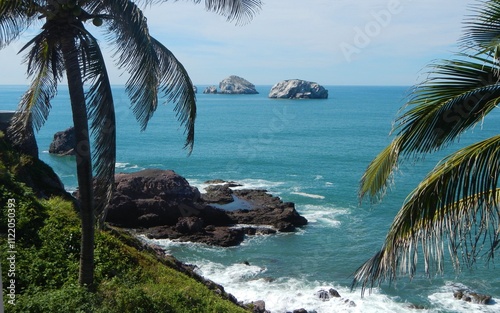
[136,53]
[459,201]
[482,29]
[456,97]
[377,176]
[153,68]
[241,11]
[100,107]
[45,65]
[15,17]
[178,88]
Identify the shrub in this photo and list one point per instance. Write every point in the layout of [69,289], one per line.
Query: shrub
[72,298]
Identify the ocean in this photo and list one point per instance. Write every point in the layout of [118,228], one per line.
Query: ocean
[310,152]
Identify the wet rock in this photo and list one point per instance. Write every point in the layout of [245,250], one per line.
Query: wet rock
[220,194]
[222,182]
[323,295]
[259,307]
[214,236]
[416,306]
[473,297]
[267,210]
[333,293]
[161,204]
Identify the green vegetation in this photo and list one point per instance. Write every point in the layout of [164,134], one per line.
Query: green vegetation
[64,46]
[47,242]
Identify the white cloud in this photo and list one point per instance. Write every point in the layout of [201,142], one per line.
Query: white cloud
[300,39]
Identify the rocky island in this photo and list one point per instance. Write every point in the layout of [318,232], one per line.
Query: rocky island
[236,85]
[298,89]
[210,90]
[64,142]
[161,204]
[232,85]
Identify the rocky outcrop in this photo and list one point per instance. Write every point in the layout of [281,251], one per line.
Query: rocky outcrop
[258,307]
[236,85]
[162,204]
[64,142]
[210,89]
[470,296]
[266,209]
[151,197]
[324,295]
[298,89]
[26,145]
[30,170]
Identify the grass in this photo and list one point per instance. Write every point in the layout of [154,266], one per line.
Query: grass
[128,278]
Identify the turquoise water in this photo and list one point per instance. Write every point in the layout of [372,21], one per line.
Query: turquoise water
[310,152]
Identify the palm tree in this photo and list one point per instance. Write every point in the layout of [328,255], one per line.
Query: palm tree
[458,201]
[64,45]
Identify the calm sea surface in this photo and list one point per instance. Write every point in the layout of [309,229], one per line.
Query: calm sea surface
[310,152]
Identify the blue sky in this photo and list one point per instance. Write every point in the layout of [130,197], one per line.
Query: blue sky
[332,42]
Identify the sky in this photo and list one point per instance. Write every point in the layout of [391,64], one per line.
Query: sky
[331,42]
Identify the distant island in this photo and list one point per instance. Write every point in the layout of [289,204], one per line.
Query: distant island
[232,85]
[298,89]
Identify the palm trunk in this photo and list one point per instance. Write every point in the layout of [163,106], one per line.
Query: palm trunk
[83,160]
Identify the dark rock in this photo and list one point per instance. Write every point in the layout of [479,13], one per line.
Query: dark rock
[215,216]
[300,311]
[162,204]
[256,230]
[25,144]
[267,210]
[416,306]
[236,85]
[334,293]
[258,307]
[221,236]
[215,181]
[163,193]
[222,182]
[210,228]
[216,236]
[298,89]
[64,142]
[148,219]
[323,295]
[210,90]
[470,296]
[33,172]
[189,225]
[220,194]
